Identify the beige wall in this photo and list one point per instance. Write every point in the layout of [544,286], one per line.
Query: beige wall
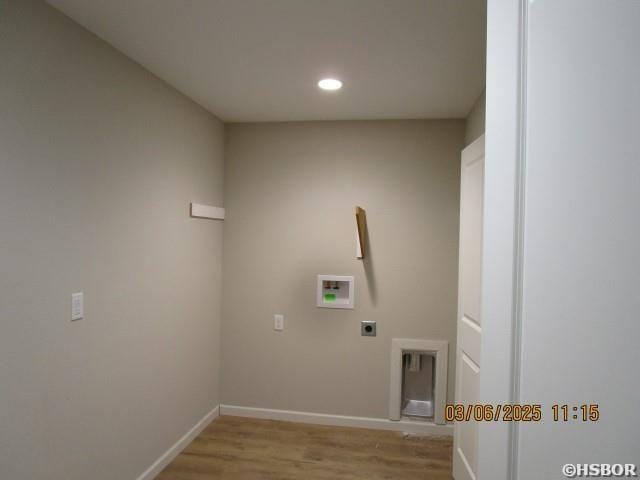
[290,193]
[98,163]
[474,126]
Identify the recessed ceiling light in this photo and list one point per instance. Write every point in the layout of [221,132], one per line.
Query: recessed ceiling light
[330,84]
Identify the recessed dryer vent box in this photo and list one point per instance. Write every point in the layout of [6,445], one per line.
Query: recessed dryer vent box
[335,291]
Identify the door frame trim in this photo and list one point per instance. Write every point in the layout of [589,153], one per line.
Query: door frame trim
[503,232]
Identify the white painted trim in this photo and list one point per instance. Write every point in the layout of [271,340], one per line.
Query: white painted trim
[207,211]
[166,458]
[502,232]
[519,227]
[441,350]
[406,426]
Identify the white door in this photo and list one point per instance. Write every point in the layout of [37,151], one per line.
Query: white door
[465,439]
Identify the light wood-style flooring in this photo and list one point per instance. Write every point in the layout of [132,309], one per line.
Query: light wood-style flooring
[247,449]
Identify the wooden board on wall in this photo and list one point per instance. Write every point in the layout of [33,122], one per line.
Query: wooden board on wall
[361,224]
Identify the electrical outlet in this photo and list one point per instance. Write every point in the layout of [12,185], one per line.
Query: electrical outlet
[368,328]
[278,322]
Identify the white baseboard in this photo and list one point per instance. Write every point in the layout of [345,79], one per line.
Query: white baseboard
[166,458]
[407,426]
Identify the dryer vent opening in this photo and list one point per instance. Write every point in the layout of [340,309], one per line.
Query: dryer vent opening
[418,384]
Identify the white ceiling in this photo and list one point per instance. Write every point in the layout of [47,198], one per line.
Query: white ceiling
[260,60]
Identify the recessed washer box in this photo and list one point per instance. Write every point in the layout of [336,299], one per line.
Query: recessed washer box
[335,291]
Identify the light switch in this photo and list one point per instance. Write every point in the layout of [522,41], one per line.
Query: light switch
[77,306]
[278,322]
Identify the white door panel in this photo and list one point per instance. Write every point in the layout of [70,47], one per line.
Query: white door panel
[469,333]
[468,431]
[470,236]
[465,445]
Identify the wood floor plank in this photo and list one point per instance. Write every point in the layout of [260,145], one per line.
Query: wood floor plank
[234,448]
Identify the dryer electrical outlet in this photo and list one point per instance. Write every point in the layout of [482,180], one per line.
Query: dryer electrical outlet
[368,328]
